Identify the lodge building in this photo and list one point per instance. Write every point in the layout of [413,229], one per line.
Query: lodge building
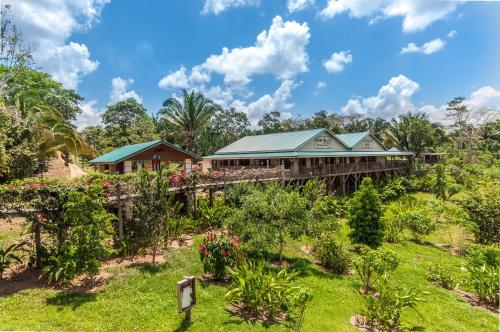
[149,155]
[343,159]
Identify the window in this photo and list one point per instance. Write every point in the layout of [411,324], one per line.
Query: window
[244,162]
[231,162]
[302,162]
[315,161]
[225,163]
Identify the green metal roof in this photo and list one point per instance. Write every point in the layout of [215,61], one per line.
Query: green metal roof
[122,153]
[351,139]
[270,142]
[303,154]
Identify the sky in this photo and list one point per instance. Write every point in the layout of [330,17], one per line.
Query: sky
[371,57]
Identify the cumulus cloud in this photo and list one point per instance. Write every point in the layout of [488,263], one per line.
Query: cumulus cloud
[279,101]
[298,5]
[120,90]
[433,46]
[321,85]
[218,6]
[279,51]
[337,61]
[49,24]
[417,15]
[90,115]
[392,99]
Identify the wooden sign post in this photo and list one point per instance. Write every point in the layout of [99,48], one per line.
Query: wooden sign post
[186,296]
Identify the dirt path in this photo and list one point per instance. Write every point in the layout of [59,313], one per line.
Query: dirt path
[57,169]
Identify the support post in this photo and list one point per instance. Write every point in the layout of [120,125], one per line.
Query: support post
[120,213]
[211,197]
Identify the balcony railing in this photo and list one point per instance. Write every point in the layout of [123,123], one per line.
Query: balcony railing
[262,172]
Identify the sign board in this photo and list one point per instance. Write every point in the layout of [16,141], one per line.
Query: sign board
[186,294]
[323,143]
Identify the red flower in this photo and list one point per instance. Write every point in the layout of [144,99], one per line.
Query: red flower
[105,184]
[202,247]
[41,218]
[32,185]
[42,185]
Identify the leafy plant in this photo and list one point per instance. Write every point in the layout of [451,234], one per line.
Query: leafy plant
[372,264]
[439,188]
[383,312]
[314,189]
[419,223]
[86,242]
[331,254]
[364,216]
[268,216]
[483,211]
[265,293]
[217,252]
[212,216]
[393,220]
[8,256]
[441,276]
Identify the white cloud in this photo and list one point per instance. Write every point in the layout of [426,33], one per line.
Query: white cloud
[452,34]
[433,46]
[182,80]
[279,51]
[90,116]
[298,5]
[486,97]
[218,6]
[277,101]
[120,90]
[417,15]
[392,99]
[49,24]
[337,61]
[321,85]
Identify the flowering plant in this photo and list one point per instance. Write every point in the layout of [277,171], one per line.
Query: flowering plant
[217,252]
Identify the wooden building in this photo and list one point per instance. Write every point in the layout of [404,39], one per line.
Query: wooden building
[343,158]
[149,155]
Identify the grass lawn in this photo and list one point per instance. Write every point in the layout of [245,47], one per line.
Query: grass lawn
[143,298]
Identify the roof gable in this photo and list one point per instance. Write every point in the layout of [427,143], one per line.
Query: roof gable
[288,141]
[351,139]
[124,152]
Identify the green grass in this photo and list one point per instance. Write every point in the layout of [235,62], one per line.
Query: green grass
[143,298]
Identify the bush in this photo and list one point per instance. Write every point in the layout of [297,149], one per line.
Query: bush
[235,194]
[394,188]
[441,276]
[419,223]
[217,252]
[87,237]
[269,216]
[313,190]
[372,264]
[364,216]
[393,220]
[263,293]
[483,211]
[439,188]
[482,273]
[383,313]
[331,254]
[210,217]
[324,214]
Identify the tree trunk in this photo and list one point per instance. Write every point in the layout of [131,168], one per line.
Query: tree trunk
[154,254]
[38,245]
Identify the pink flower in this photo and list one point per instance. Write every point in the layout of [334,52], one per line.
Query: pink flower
[105,184]
[32,185]
[41,218]
[202,247]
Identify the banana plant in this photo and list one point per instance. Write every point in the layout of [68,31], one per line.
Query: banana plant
[9,256]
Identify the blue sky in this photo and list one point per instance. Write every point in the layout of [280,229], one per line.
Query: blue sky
[373,57]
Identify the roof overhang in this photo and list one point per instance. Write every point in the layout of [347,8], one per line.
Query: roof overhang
[307,154]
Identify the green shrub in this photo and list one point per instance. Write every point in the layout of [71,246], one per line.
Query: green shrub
[482,272]
[441,276]
[235,194]
[394,188]
[439,187]
[9,255]
[86,241]
[264,293]
[483,211]
[324,214]
[419,223]
[313,190]
[331,254]
[364,216]
[393,220]
[383,312]
[217,252]
[372,264]
[210,217]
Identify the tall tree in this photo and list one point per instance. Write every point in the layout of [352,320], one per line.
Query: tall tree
[127,122]
[466,123]
[412,132]
[365,211]
[270,123]
[188,117]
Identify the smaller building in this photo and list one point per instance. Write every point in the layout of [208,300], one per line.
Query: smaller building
[149,155]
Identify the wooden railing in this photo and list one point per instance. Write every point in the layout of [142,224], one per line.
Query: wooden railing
[358,167]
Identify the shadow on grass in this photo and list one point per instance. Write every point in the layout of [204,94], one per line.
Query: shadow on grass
[184,326]
[238,319]
[72,300]
[149,267]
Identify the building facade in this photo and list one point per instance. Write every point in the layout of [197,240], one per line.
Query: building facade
[342,158]
[150,155]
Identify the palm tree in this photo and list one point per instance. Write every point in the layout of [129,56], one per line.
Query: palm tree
[187,117]
[412,132]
